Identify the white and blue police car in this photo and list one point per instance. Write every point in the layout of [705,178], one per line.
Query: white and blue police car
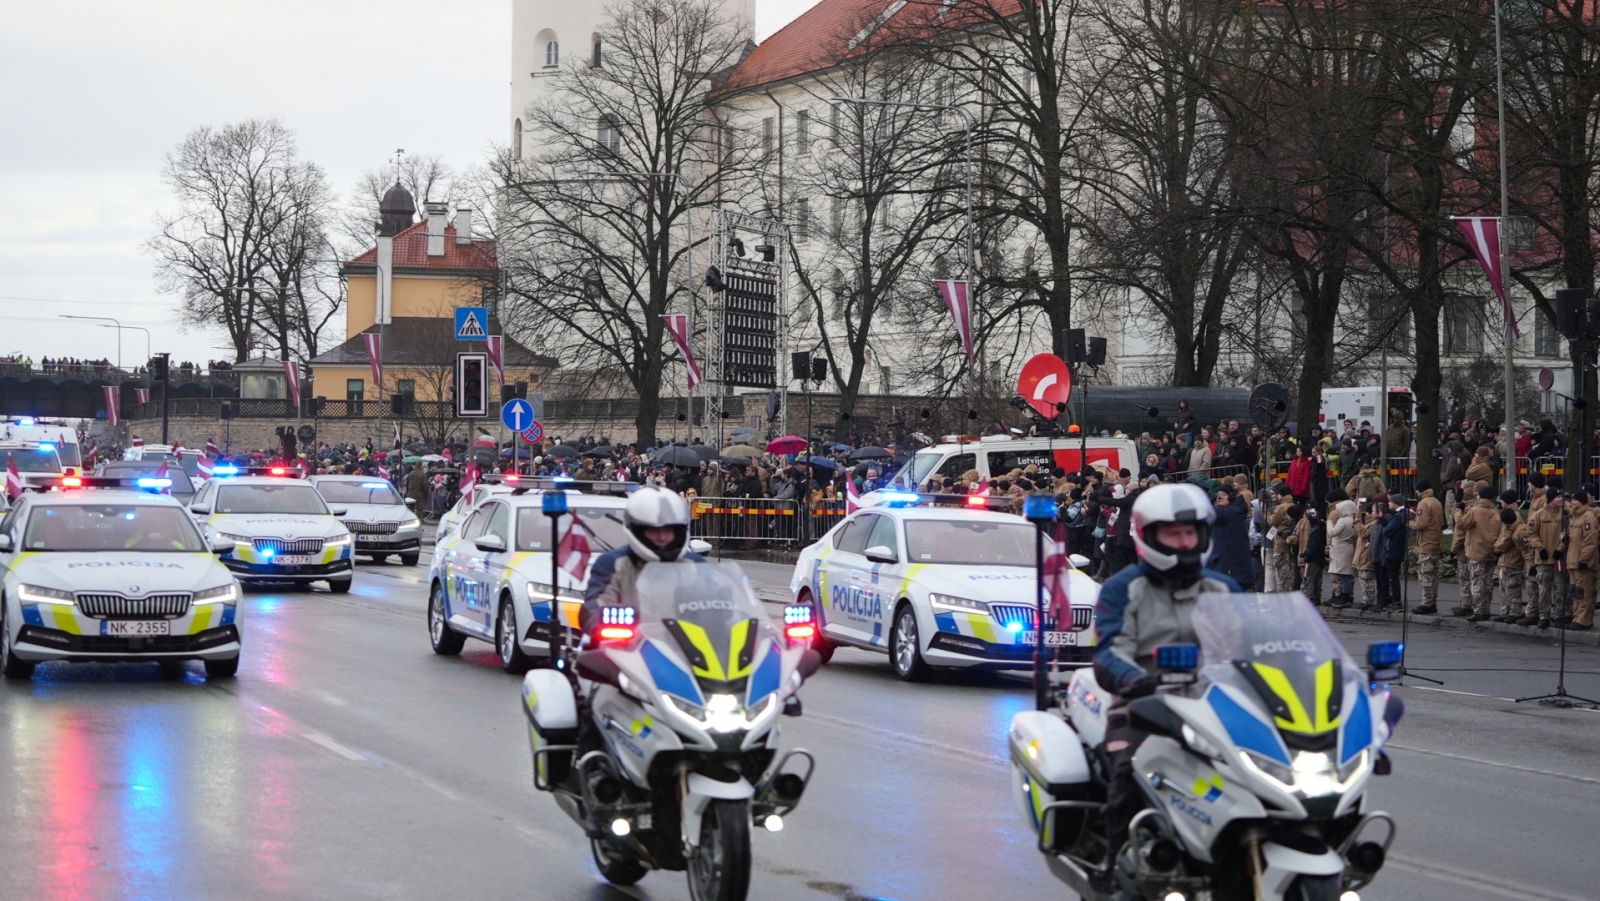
[276,528]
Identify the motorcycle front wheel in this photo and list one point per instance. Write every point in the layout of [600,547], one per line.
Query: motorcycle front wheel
[1314,888]
[618,867]
[720,871]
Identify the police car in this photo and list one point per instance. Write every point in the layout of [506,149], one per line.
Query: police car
[278,526]
[381,521]
[937,581]
[490,579]
[37,463]
[99,570]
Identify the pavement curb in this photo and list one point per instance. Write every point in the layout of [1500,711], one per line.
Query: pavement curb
[1590,638]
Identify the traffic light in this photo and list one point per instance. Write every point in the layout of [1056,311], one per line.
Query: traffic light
[158,368]
[1569,311]
[472,396]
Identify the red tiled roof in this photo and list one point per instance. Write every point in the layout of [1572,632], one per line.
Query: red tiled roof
[820,38]
[411,252]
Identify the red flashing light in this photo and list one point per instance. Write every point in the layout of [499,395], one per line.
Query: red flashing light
[616,633]
[976,500]
[279,471]
[512,478]
[800,632]
[71,482]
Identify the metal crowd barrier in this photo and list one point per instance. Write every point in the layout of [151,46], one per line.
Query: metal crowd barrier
[731,523]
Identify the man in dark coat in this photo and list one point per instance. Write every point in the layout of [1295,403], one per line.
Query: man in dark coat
[1230,539]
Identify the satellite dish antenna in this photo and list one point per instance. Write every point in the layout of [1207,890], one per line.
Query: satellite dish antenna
[1269,406]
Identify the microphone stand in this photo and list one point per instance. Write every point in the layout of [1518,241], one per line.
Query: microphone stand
[1405,617]
[1560,697]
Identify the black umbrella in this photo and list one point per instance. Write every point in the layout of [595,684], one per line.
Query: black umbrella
[604,450]
[705,452]
[562,450]
[677,456]
[870,453]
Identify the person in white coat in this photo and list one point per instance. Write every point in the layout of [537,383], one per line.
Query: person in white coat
[1342,547]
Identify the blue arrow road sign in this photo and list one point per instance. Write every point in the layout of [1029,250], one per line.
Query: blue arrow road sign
[472,324]
[517,414]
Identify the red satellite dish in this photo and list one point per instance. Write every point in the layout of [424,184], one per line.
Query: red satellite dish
[1044,383]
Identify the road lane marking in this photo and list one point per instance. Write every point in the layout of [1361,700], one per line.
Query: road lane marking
[1509,766]
[335,747]
[1483,882]
[1446,691]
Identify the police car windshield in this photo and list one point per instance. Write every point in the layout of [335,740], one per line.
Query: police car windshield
[915,470]
[368,491]
[970,542]
[602,526]
[136,468]
[296,497]
[110,527]
[31,460]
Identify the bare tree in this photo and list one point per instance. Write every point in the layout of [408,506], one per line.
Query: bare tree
[592,229]
[427,176]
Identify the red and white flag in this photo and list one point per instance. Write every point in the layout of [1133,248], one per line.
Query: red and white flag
[211,448]
[1057,567]
[203,467]
[397,436]
[137,441]
[469,477]
[573,553]
[13,479]
[982,488]
[495,346]
[141,395]
[375,356]
[956,300]
[291,371]
[678,327]
[90,452]
[852,497]
[1483,236]
[161,471]
[112,414]
[383,471]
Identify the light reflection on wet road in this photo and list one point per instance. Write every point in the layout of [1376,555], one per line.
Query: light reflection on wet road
[348,761]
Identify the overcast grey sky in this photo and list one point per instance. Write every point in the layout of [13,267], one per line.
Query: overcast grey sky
[93,93]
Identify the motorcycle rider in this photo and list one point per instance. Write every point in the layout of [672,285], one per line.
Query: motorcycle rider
[1144,606]
[657,522]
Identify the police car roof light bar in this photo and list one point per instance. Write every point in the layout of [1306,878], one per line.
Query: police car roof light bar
[282,472]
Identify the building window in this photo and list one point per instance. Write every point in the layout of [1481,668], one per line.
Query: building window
[516,140]
[802,220]
[406,386]
[609,134]
[552,54]
[1463,324]
[766,137]
[354,389]
[595,59]
[1546,340]
[802,131]
[1388,316]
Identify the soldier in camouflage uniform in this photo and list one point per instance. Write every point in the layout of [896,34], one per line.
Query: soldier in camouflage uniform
[1427,520]
[1477,528]
[1287,549]
[1546,523]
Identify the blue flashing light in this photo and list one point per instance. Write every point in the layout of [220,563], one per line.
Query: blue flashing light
[153,483]
[562,479]
[554,502]
[1014,626]
[618,616]
[370,485]
[899,498]
[1182,657]
[797,613]
[24,420]
[267,552]
[1385,654]
[1039,508]
[46,445]
[225,469]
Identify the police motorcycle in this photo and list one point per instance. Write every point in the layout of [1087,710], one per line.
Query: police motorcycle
[1253,775]
[661,738]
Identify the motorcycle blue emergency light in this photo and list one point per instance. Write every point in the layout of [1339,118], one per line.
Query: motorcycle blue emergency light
[153,483]
[1039,508]
[1181,657]
[225,469]
[899,498]
[618,616]
[1385,654]
[797,613]
[555,503]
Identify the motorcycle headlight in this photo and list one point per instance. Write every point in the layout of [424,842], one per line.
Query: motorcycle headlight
[963,605]
[1353,768]
[35,594]
[341,541]
[1312,774]
[225,594]
[722,713]
[1199,743]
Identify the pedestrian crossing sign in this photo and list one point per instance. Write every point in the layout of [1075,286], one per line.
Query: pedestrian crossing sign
[472,323]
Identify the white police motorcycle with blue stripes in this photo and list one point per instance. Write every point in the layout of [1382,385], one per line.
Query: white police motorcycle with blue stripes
[682,694]
[1253,774]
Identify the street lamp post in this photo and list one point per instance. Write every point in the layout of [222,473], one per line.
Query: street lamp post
[119,327]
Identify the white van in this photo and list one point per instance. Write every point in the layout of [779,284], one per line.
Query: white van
[61,438]
[1361,405]
[996,455]
[189,462]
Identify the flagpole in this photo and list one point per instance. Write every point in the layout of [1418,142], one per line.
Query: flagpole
[1505,268]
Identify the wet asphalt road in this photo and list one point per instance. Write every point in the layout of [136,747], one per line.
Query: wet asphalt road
[347,761]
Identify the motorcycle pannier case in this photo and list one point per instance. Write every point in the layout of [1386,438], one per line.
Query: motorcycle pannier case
[552,724]
[1048,765]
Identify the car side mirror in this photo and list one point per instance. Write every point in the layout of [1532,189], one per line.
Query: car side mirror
[220,545]
[1079,561]
[699,546]
[490,543]
[411,502]
[880,553]
[200,511]
[338,511]
[5,544]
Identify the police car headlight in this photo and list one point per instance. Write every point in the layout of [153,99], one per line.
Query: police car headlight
[341,541]
[412,523]
[35,594]
[228,536]
[950,602]
[540,594]
[225,594]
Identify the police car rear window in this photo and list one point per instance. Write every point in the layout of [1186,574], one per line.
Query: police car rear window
[371,491]
[110,527]
[971,543]
[296,497]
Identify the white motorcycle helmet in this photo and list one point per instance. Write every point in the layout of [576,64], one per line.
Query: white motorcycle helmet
[1173,504]
[654,508]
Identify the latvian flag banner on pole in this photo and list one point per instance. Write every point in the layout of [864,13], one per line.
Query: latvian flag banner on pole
[496,349]
[375,355]
[958,302]
[678,326]
[291,371]
[1483,236]
[112,417]
[141,395]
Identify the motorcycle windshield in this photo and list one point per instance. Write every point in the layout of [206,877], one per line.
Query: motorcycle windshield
[1278,646]
[710,612]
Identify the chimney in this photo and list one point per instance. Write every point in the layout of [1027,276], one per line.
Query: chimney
[436,218]
[463,225]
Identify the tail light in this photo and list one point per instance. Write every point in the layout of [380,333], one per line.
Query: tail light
[279,470]
[617,623]
[799,623]
[800,632]
[616,633]
[71,482]
[976,500]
